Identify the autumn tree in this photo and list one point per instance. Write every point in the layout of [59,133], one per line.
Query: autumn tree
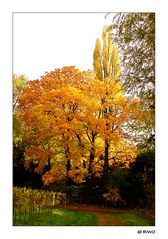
[20,82]
[54,111]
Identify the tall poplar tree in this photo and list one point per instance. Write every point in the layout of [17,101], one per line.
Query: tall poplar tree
[106,66]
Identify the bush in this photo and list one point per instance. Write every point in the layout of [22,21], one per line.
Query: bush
[113,196]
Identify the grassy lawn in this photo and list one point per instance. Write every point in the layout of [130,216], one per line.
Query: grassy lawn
[133,220]
[59,217]
[68,217]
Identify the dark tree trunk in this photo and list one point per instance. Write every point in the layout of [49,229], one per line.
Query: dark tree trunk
[68,167]
[106,166]
[91,159]
[90,177]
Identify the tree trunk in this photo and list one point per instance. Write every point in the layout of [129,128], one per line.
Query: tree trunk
[89,181]
[106,166]
[68,167]
[91,159]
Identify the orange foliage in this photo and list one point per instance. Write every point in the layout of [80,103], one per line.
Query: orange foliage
[64,117]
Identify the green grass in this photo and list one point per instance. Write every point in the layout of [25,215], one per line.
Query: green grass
[133,220]
[59,217]
[67,217]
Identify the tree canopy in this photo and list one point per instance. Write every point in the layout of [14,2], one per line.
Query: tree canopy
[135,35]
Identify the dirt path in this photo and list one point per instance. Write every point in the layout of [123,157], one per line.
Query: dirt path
[104,215]
[105,219]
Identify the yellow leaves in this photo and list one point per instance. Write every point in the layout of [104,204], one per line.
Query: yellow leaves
[38,156]
[113,88]
[106,61]
[78,174]
[56,173]
[113,196]
[115,62]
[106,51]
[58,157]
[97,60]
[20,82]
[123,153]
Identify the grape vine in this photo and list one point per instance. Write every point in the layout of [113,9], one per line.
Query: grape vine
[28,202]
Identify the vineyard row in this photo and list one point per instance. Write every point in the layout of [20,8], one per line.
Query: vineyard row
[27,202]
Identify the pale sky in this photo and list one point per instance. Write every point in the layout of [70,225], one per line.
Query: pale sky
[46,41]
